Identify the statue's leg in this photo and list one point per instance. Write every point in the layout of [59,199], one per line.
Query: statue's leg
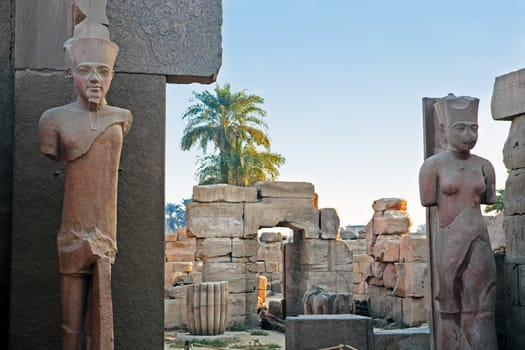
[449,335]
[74,300]
[101,312]
[479,298]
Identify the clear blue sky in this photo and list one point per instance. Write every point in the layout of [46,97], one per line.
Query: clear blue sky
[343,82]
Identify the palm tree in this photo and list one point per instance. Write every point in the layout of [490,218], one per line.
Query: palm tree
[175,215]
[233,123]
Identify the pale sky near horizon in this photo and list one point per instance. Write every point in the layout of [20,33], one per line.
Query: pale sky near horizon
[343,83]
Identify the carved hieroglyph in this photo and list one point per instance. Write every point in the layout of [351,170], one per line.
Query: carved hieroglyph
[87,135]
[456,182]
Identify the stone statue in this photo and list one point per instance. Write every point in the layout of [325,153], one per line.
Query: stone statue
[320,299]
[87,135]
[456,182]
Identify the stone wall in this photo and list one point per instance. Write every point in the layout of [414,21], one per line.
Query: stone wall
[224,221]
[508,104]
[397,267]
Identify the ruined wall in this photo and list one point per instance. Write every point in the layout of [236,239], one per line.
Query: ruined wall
[508,104]
[396,276]
[225,220]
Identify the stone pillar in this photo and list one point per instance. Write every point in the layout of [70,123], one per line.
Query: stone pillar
[508,103]
[159,42]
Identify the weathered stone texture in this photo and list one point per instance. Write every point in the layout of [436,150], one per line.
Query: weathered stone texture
[270,212]
[214,247]
[391,222]
[224,193]
[7,118]
[386,248]
[282,189]
[312,332]
[402,339]
[208,220]
[508,96]
[413,248]
[514,147]
[389,204]
[411,278]
[514,226]
[141,181]
[330,223]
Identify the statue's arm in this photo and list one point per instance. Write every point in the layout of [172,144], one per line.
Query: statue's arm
[128,119]
[489,196]
[428,183]
[48,136]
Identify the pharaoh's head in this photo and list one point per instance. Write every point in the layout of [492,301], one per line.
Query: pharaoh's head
[458,119]
[91,57]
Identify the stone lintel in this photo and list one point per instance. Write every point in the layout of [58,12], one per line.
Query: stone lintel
[180,40]
[508,96]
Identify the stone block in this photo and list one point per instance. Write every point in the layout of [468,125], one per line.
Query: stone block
[189,245]
[183,234]
[272,211]
[411,278]
[389,204]
[344,282]
[357,246]
[170,237]
[386,248]
[313,332]
[174,313]
[413,248]
[237,305]
[212,220]
[377,268]
[392,222]
[41,29]
[370,237]
[390,276]
[380,305]
[178,39]
[224,193]
[315,253]
[514,226]
[359,289]
[176,254]
[508,99]
[514,188]
[270,237]
[402,339]
[330,223]
[340,255]
[275,308]
[514,147]
[414,311]
[284,189]
[270,252]
[214,247]
[328,279]
[179,267]
[515,322]
[234,273]
[244,247]
[272,266]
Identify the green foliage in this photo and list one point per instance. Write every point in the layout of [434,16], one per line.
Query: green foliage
[175,215]
[212,342]
[238,327]
[233,124]
[259,332]
[498,206]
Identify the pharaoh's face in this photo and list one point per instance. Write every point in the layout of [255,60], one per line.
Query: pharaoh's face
[462,136]
[92,82]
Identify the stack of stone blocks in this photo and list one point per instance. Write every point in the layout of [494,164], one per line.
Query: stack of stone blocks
[508,103]
[398,270]
[225,220]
